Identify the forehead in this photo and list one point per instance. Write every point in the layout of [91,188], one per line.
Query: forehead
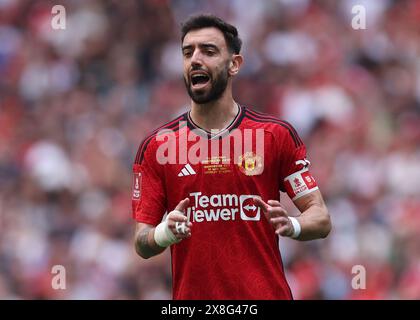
[205,35]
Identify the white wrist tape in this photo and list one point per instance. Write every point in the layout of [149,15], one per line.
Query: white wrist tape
[163,236]
[296,227]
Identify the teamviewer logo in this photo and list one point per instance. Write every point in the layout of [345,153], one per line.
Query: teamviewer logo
[249,211]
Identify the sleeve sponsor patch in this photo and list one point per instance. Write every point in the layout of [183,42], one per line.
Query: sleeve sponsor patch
[299,184]
[136,186]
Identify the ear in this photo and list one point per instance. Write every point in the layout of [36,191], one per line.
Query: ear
[235,64]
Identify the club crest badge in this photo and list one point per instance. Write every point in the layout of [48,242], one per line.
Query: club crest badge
[250,164]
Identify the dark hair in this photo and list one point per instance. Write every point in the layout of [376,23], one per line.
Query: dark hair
[201,21]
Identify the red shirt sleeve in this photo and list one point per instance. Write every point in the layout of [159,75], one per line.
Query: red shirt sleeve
[148,190]
[295,178]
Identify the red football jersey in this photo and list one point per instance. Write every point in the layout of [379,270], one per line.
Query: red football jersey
[233,252]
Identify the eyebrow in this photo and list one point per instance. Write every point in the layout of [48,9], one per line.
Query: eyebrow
[203,46]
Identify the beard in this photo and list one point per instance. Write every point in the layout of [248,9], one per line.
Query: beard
[217,84]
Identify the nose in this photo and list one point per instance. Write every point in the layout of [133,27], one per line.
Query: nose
[196,59]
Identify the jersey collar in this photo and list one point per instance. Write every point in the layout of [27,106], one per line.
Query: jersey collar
[220,134]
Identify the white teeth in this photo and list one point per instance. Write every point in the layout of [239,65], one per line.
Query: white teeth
[198,75]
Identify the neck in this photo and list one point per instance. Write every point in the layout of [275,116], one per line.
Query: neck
[216,114]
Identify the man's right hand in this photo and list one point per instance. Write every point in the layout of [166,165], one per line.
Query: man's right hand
[177,221]
[150,240]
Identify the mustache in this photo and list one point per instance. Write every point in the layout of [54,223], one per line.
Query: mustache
[198,68]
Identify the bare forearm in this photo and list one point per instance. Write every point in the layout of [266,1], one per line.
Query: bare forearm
[315,223]
[145,244]
[315,220]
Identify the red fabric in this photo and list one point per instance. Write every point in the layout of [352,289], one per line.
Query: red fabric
[233,252]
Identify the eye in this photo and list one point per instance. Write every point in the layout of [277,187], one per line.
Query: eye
[210,52]
[187,53]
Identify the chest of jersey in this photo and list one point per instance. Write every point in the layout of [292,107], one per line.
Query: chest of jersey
[222,187]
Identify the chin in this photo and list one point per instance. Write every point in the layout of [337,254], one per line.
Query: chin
[200,96]
[200,100]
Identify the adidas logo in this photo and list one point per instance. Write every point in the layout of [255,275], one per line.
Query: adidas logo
[187,170]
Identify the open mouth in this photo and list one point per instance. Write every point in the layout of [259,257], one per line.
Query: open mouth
[199,80]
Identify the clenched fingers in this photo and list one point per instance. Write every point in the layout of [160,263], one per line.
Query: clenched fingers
[282,226]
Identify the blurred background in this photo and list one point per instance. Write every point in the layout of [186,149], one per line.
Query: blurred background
[76,103]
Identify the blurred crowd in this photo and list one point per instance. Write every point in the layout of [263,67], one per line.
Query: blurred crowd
[76,103]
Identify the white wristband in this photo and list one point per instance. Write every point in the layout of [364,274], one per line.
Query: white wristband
[163,236]
[296,227]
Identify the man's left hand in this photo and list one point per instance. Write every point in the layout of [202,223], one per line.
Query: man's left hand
[277,216]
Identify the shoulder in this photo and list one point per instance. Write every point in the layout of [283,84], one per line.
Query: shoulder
[151,143]
[280,128]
